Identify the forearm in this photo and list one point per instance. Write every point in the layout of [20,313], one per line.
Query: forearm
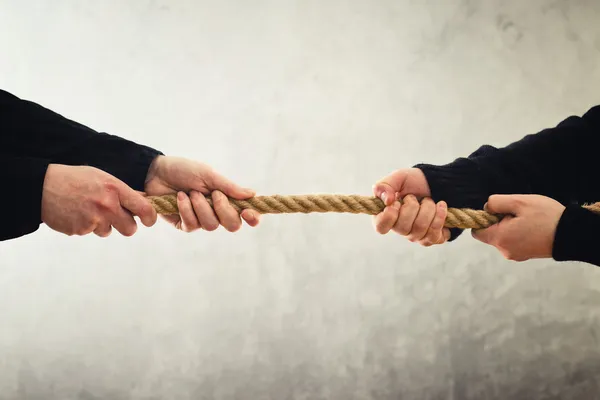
[556,162]
[21,202]
[30,130]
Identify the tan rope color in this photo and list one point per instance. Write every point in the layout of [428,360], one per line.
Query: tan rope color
[325,203]
[463,218]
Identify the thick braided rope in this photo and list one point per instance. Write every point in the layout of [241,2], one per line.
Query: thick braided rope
[463,218]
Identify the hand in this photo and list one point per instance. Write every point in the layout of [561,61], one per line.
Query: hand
[527,231]
[77,200]
[418,218]
[193,180]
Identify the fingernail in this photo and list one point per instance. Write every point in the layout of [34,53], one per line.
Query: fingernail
[443,205]
[181,196]
[383,196]
[396,206]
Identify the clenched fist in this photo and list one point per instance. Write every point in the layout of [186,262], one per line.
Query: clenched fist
[528,229]
[418,218]
[191,181]
[78,200]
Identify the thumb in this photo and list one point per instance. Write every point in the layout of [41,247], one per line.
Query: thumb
[136,203]
[229,188]
[387,187]
[504,204]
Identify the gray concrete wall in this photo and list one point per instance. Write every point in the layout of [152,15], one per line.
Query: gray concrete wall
[298,97]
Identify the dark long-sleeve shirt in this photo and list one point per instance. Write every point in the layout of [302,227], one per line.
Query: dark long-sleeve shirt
[32,137]
[559,162]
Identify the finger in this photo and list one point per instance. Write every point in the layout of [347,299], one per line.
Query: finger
[435,233]
[385,192]
[408,214]
[387,187]
[103,231]
[423,221]
[504,204]
[204,212]
[189,220]
[229,218]
[385,221]
[251,217]
[226,186]
[395,180]
[138,205]
[123,222]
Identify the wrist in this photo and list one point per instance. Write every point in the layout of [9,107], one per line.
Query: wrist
[154,169]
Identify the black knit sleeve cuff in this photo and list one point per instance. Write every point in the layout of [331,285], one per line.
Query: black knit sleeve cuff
[576,237]
[25,178]
[124,159]
[457,184]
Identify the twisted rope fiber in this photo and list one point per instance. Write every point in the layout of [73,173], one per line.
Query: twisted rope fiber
[463,218]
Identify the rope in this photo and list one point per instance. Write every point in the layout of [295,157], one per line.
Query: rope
[463,218]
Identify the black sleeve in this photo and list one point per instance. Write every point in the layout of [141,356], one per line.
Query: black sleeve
[32,137]
[29,130]
[20,202]
[557,162]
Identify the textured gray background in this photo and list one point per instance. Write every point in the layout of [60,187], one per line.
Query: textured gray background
[298,97]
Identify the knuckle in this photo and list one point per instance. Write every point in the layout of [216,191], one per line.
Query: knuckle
[110,186]
[106,202]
